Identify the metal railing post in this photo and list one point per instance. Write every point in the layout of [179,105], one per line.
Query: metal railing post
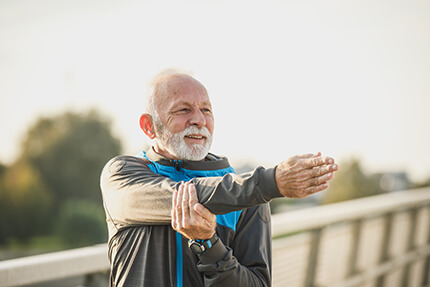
[355,245]
[385,245]
[426,270]
[411,244]
[313,258]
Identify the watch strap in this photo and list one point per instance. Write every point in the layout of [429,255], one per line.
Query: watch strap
[199,246]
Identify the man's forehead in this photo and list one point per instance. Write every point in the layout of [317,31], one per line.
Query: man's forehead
[179,83]
[183,90]
[190,102]
[184,99]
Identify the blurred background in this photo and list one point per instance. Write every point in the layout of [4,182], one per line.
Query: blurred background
[347,78]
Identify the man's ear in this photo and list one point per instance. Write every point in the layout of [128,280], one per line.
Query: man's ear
[146,125]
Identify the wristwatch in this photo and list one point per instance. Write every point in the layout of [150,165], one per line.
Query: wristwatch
[200,247]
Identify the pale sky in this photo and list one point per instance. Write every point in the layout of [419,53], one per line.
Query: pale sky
[347,78]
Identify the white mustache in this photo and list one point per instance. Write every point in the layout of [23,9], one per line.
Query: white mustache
[192,130]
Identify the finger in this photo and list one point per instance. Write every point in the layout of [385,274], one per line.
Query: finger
[319,171]
[192,198]
[309,173]
[178,199]
[316,161]
[192,194]
[175,200]
[185,206]
[311,182]
[173,210]
[174,197]
[321,179]
[178,206]
[307,155]
[315,189]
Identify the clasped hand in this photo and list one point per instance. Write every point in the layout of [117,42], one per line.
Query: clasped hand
[189,217]
[303,175]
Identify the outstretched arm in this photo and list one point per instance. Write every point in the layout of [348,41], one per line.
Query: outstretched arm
[297,177]
[133,194]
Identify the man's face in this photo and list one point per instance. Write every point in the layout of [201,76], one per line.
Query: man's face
[185,126]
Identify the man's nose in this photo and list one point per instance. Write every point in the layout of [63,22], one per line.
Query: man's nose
[198,119]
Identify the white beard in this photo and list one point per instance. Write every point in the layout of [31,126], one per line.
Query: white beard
[176,145]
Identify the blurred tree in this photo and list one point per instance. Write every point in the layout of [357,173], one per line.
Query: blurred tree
[350,182]
[25,203]
[69,151]
[61,161]
[2,169]
[82,223]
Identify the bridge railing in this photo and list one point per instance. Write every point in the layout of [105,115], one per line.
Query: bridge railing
[381,240]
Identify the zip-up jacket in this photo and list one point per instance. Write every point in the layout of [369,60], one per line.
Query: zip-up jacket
[145,251]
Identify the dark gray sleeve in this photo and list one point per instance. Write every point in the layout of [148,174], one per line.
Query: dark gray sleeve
[237,191]
[248,261]
[133,194]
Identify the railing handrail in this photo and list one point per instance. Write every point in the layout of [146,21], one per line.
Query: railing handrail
[319,216]
[55,265]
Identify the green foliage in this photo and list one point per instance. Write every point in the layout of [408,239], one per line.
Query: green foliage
[69,151]
[54,185]
[350,182]
[82,223]
[3,169]
[25,203]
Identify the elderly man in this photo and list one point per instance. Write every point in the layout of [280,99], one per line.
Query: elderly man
[178,215]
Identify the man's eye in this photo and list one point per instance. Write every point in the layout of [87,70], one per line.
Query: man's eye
[207,111]
[182,111]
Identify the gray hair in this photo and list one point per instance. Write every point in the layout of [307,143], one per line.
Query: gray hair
[155,85]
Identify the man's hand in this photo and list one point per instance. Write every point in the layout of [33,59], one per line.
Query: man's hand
[304,175]
[189,217]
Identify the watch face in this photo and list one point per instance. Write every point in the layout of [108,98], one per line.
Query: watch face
[197,248]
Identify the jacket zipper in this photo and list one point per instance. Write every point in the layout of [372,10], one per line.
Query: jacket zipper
[177,164]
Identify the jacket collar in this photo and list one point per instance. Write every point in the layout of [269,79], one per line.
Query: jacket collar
[211,162]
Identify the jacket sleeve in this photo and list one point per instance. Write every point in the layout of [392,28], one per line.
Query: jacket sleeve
[133,194]
[233,192]
[248,261]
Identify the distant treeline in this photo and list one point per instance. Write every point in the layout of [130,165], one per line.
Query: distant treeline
[52,190]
